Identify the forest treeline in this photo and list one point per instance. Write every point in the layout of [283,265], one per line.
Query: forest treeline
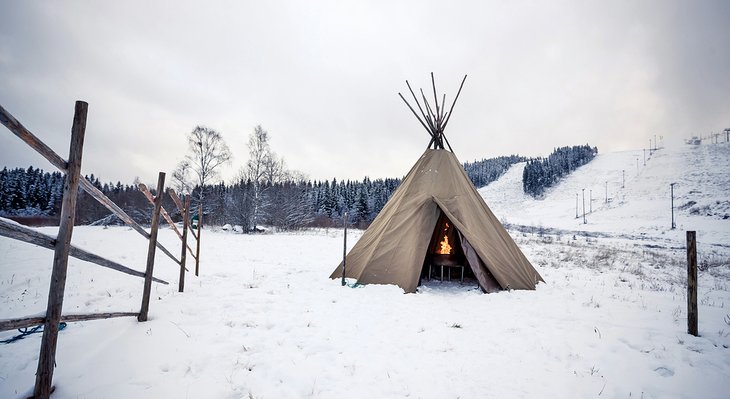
[541,173]
[286,204]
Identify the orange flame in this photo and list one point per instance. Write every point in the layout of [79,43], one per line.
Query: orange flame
[445,248]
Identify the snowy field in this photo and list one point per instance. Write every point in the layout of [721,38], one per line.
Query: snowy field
[264,321]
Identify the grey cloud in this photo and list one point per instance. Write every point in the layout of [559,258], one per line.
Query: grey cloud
[322,77]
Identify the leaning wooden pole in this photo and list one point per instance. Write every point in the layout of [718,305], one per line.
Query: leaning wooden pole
[180,208]
[692,283]
[183,255]
[47,357]
[197,249]
[40,147]
[163,212]
[151,250]
[22,233]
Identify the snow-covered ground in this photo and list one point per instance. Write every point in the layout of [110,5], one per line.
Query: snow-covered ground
[264,321]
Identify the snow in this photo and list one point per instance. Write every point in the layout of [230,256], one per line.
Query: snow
[263,320]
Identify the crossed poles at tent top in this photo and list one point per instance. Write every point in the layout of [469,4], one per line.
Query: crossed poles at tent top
[434,122]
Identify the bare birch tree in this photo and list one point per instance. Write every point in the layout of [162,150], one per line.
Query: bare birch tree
[181,177]
[263,169]
[207,151]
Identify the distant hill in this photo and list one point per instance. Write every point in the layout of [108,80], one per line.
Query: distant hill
[626,197]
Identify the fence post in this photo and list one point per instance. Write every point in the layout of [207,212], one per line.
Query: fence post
[183,256]
[151,251]
[344,251]
[47,357]
[692,283]
[197,249]
[674,225]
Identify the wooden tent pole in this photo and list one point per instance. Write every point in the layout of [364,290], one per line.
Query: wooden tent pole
[430,130]
[451,110]
[447,142]
[430,142]
[47,357]
[434,121]
[430,114]
[417,117]
[435,98]
[441,117]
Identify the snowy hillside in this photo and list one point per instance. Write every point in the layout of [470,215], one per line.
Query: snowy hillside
[642,207]
[264,321]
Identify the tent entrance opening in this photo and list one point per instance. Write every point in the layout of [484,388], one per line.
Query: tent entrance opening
[445,257]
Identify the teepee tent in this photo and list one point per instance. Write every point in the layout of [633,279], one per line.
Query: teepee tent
[436,199]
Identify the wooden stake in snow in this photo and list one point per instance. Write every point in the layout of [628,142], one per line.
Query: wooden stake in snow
[197,237]
[183,256]
[692,316]
[584,206]
[47,357]
[671,185]
[344,251]
[151,250]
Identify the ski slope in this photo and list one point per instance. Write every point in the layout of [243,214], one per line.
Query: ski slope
[639,206]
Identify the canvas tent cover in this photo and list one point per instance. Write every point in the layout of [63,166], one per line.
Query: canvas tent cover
[392,250]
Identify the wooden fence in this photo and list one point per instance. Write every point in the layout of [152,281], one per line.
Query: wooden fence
[63,248]
[184,211]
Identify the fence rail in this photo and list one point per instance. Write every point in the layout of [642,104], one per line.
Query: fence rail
[9,121]
[22,233]
[63,248]
[11,324]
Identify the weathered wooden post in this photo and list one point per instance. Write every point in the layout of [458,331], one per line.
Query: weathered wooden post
[672,187]
[183,256]
[344,251]
[47,357]
[151,250]
[692,283]
[197,249]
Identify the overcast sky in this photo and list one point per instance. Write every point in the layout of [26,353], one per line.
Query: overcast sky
[323,76]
